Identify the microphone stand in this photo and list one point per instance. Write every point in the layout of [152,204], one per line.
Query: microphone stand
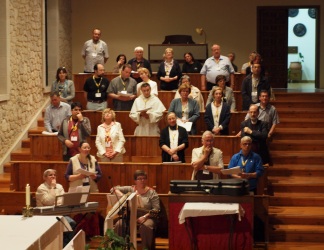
[125,217]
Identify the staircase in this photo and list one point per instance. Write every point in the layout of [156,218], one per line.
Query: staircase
[296,180]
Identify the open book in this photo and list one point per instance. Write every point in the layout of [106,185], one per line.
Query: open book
[141,110]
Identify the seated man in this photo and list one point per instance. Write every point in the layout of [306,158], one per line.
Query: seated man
[55,113]
[147,120]
[146,216]
[207,161]
[249,162]
[46,194]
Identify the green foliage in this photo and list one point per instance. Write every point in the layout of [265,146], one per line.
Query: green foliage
[112,241]
[301,57]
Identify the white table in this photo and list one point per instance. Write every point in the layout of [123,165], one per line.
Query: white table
[196,209]
[37,232]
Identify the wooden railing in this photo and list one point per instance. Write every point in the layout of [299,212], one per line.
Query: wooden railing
[138,148]
[159,175]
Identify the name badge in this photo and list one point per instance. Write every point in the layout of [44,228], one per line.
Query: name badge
[123,92]
[94,54]
[74,138]
[205,171]
[98,95]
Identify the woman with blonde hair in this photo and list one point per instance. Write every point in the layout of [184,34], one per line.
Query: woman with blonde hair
[217,115]
[145,75]
[169,71]
[110,139]
[186,109]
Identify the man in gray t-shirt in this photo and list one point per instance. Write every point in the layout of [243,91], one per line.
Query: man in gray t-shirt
[94,51]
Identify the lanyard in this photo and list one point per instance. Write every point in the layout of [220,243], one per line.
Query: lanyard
[97,84]
[124,84]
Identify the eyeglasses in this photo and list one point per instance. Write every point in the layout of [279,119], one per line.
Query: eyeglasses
[141,179]
[246,144]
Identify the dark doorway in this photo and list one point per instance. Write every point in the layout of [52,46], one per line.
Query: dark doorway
[272,42]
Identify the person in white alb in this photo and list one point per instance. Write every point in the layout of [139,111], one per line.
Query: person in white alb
[147,111]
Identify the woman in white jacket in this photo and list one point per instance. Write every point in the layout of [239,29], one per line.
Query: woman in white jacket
[110,139]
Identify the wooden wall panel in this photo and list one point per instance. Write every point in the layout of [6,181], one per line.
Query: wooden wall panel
[129,125]
[138,148]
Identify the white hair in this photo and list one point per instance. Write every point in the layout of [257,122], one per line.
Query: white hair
[138,48]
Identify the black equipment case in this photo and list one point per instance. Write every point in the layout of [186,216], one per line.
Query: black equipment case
[233,187]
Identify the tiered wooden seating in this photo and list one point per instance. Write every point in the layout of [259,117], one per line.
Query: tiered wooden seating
[138,148]
[129,125]
[159,175]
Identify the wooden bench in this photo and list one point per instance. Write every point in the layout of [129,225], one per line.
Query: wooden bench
[159,175]
[138,148]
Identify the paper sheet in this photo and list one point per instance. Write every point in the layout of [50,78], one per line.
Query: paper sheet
[235,170]
[186,125]
[85,172]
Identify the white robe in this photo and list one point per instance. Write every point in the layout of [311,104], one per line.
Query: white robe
[147,126]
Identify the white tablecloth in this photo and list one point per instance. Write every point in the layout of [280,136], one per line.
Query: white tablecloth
[196,209]
[33,233]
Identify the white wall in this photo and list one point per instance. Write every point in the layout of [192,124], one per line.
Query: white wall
[126,24]
[305,44]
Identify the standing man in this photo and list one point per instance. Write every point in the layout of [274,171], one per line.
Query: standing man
[147,111]
[249,162]
[231,57]
[139,62]
[73,130]
[123,90]
[206,161]
[55,113]
[258,131]
[267,112]
[94,51]
[96,88]
[214,66]
[252,86]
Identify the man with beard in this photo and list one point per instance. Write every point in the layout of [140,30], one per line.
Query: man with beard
[123,90]
[258,131]
[96,88]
